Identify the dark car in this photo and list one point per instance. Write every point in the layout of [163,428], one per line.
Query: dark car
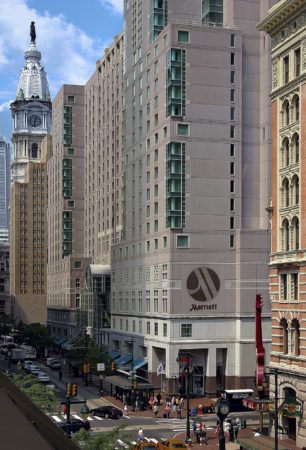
[75,425]
[109,412]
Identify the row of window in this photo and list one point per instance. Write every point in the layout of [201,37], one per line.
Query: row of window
[290,337]
[290,234]
[185,329]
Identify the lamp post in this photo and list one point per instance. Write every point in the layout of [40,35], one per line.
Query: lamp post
[132,375]
[173,383]
[101,335]
[188,437]
[222,409]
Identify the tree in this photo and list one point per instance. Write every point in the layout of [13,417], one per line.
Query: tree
[43,396]
[36,335]
[85,350]
[106,441]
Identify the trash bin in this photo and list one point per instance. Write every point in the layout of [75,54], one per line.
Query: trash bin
[242,423]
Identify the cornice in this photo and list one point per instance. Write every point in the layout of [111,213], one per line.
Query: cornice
[279,14]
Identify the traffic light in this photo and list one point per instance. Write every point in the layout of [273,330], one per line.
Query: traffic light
[74,390]
[68,389]
[114,366]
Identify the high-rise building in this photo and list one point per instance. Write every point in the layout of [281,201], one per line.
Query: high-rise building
[66,262]
[195,242]
[103,182]
[286,25]
[5,180]
[31,113]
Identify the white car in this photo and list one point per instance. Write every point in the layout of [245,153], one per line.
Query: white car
[43,377]
[27,364]
[34,369]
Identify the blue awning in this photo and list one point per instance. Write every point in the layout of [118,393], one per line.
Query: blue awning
[138,363]
[125,359]
[59,340]
[114,354]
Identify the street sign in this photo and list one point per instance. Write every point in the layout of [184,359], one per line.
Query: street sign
[100,367]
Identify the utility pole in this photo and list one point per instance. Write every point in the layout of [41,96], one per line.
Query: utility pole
[188,437]
[276,409]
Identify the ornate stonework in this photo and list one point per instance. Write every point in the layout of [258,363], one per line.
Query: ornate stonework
[293,27]
[274,74]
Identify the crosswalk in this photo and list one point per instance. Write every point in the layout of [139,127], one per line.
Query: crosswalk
[176,425]
[58,418]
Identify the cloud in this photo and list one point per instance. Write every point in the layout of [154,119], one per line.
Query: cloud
[68,53]
[5,105]
[115,5]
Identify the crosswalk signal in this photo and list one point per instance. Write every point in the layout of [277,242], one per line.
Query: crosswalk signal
[114,366]
[74,390]
[68,389]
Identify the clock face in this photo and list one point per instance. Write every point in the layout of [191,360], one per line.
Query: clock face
[224,408]
[34,121]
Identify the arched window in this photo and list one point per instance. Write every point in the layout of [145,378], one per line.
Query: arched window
[296,147]
[295,233]
[296,190]
[285,152]
[296,108]
[286,112]
[284,336]
[295,338]
[285,233]
[34,151]
[285,187]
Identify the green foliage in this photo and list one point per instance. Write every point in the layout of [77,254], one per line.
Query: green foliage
[35,334]
[85,350]
[6,324]
[42,395]
[106,441]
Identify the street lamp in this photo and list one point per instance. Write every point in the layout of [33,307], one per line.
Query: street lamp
[132,375]
[185,358]
[85,411]
[222,409]
[173,383]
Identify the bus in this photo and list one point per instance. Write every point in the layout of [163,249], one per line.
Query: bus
[235,398]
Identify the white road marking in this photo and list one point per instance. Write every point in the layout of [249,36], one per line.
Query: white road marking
[89,418]
[98,418]
[77,417]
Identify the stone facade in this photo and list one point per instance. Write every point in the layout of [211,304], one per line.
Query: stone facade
[286,24]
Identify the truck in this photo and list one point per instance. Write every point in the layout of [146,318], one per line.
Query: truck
[30,352]
[17,354]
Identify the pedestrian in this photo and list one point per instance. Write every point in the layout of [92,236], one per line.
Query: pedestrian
[178,412]
[140,434]
[182,403]
[167,411]
[151,403]
[60,375]
[203,435]
[231,433]
[194,426]
[155,410]
[158,398]
[218,428]
[125,410]
[236,428]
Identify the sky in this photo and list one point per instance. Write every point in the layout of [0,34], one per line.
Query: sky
[70,34]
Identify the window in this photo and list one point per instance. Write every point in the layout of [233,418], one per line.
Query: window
[232,150]
[232,95]
[186,330]
[148,327]
[165,242]
[182,241]
[77,265]
[294,286]
[232,204]
[183,36]
[232,132]
[232,76]
[232,40]
[156,50]
[232,223]
[70,151]
[297,61]
[165,331]
[284,335]
[232,186]
[77,300]
[71,99]
[232,59]
[232,113]
[182,129]
[232,168]
[284,286]
[71,204]
[232,241]
[156,328]
[285,235]
[286,69]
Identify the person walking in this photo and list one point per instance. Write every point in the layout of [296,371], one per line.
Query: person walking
[167,411]
[158,398]
[155,410]
[125,410]
[203,435]
[140,435]
[236,428]
[178,412]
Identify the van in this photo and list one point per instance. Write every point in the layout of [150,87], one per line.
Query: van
[49,361]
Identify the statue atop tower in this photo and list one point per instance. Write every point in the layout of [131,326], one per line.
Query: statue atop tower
[33,32]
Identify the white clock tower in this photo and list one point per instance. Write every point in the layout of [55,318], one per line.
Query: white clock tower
[31,111]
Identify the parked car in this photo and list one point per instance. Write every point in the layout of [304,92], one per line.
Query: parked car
[33,369]
[75,425]
[49,361]
[43,377]
[26,364]
[109,412]
[55,364]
